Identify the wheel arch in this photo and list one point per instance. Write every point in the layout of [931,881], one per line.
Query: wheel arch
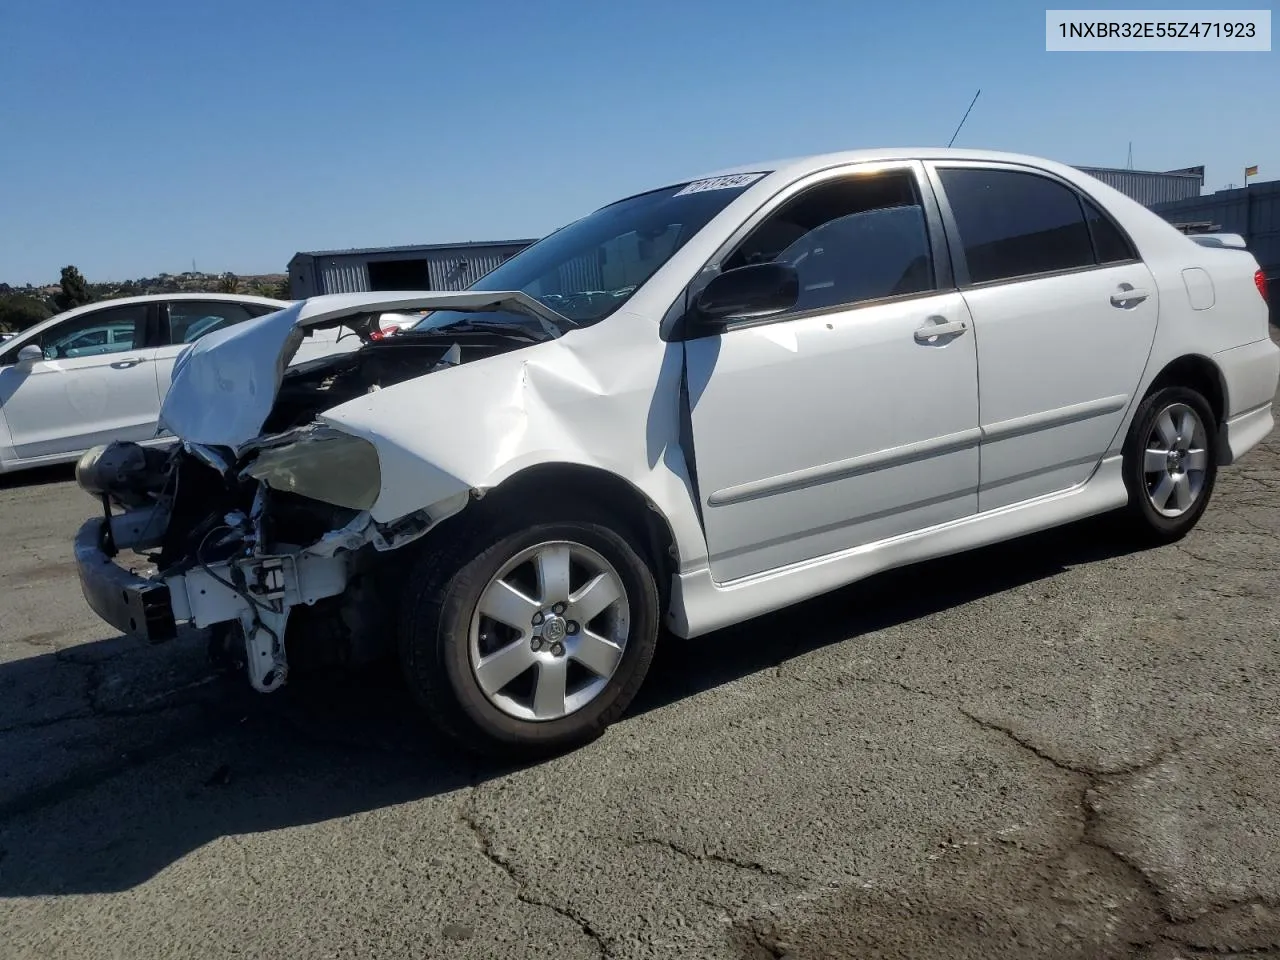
[1199,373]
[562,482]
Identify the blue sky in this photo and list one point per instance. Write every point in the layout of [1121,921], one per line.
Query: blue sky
[140,135]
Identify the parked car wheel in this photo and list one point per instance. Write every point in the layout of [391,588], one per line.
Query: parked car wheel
[533,638]
[1169,463]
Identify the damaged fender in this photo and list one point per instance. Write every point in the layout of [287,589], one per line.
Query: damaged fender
[565,401]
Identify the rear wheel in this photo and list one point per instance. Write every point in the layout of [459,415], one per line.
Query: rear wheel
[531,637]
[1169,463]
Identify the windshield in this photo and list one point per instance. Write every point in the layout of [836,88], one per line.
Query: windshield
[589,269]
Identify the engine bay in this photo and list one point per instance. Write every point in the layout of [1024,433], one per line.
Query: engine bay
[311,388]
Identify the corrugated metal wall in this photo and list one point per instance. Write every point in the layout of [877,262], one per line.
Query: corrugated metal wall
[457,270]
[1146,187]
[448,268]
[342,274]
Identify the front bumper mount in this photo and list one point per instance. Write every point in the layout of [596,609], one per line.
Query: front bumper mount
[255,592]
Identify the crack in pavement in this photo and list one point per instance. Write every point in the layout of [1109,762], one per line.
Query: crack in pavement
[244,859]
[471,820]
[213,723]
[1164,927]
[152,705]
[751,866]
[1249,565]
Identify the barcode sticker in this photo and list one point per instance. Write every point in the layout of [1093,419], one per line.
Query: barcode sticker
[729,182]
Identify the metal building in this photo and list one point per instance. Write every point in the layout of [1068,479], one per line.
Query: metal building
[1150,187]
[433,266]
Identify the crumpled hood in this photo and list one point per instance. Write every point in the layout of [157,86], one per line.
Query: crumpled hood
[224,385]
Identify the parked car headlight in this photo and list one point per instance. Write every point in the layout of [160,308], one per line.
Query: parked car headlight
[325,465]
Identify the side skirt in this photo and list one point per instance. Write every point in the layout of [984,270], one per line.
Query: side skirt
[700,605]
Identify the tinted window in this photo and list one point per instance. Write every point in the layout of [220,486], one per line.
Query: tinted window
[111,330]
[856,239]
[1016,224]
[1109,244]
[189,320]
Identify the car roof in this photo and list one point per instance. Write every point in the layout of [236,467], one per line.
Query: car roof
[146,298]
[793,167]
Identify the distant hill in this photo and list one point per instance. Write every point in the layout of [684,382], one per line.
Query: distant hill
[20,307]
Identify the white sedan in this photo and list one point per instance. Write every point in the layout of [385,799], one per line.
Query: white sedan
[99,372]
[696,405]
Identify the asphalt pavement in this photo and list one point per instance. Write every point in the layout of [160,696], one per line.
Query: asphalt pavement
[1057,747]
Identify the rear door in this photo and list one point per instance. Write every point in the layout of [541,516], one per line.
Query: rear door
[95,384]
[1064,313]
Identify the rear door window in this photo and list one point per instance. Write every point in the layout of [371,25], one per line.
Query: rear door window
[1015,224]
[189,320]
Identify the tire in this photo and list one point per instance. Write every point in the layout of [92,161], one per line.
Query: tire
[1192,473]
[446,641]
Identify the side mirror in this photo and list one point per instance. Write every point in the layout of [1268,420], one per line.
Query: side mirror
[756,290]
[31,353]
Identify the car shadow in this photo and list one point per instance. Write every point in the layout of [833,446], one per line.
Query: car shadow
[38,476]
[331,746]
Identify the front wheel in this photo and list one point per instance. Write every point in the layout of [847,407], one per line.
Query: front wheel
[1169,463]
[532,637]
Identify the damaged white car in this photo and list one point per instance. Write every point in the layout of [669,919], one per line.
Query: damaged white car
[691,407]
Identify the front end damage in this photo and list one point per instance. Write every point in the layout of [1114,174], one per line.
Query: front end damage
[266,537]
[192,537]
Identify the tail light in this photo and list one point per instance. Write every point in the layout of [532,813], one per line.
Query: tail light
[1260,279]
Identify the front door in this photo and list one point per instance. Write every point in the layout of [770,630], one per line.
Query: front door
[95,384]
[843,421]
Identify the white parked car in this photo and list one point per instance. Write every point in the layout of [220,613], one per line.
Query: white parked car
[691,407]
[99,372]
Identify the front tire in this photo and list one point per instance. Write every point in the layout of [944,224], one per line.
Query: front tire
[528,638]
[1170,463]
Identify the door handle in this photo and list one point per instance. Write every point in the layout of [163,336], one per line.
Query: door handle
[1128,296]
[930,332]
[131,362]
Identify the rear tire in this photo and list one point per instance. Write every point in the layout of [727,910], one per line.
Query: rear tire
[530,636]
[1170,464]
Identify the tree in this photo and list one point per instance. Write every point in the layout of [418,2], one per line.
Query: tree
[275,289]
[75,291]
[18,312]
[229,283]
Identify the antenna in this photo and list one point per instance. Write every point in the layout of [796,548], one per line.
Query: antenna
[1130,161]
[964,118]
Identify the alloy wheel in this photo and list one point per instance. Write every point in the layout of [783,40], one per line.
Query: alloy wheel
[1175,460]
[549,631]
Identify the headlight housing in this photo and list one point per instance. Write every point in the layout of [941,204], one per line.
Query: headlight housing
[322,464]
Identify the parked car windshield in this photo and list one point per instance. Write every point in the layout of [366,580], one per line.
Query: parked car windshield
[589,269]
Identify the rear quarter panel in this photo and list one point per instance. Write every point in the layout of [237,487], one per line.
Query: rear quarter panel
[1195,319]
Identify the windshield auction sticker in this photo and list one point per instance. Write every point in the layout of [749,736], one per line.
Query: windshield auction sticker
[719,183]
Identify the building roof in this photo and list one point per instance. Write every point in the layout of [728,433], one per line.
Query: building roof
[407,248]
[1196,173]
